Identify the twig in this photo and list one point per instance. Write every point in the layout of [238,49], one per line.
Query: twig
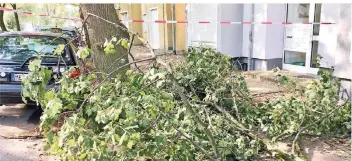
[195,144]
[279,136]
[23,137]
[193,113]
[146,86]
[129,52]
[109,75]
[228,116]
[313,123]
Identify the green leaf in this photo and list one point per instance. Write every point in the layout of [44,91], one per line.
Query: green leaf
[49,95]
[123,137]
[130,144]
[71,142]
[109,49]
[34,64]
[59,50]
[136,136]
[124,43]
[82,156]
[84,52]
[53,107]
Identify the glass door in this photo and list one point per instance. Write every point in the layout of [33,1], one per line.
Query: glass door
[300,51]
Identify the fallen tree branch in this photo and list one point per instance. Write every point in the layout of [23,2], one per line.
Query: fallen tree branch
[193,113]
[109,76]
[195,144]
[228,117]
[313,123]
[23,137]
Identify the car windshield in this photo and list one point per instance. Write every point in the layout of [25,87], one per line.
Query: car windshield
[18,49]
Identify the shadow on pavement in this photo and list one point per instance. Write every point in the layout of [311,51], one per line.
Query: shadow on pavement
[17,120]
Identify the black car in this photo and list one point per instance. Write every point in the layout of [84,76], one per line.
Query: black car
[71,32]
[16,51]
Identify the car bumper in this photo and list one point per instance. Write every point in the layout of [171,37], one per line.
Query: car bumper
[11,94]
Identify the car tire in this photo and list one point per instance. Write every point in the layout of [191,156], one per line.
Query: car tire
[32,106]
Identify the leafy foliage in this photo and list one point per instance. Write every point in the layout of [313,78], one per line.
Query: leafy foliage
[319,100]
[200,110]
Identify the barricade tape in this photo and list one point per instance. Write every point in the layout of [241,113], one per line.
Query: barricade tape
[175,22]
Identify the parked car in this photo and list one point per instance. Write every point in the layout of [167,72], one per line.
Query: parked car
[16,51]
[69,31]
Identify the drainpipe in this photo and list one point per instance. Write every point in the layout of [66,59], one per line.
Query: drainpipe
[173,28]
[250,55]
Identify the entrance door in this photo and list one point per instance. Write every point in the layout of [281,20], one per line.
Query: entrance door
[154,30]
[301,40]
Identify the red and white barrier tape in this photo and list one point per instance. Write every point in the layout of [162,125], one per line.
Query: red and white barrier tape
[34,14]
[229,22]
[182,21]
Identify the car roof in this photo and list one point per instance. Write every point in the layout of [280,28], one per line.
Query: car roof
[48,27]
[23,33]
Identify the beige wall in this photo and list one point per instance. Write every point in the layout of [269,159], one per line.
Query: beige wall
[162,27]
[169,26]
[181,28]
[135,11]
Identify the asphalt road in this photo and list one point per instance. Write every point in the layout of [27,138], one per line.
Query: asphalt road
[17,121]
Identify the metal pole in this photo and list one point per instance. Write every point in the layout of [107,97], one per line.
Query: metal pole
[250,55]
[173,28]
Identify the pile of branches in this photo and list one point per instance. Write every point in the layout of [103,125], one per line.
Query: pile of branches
[198,110]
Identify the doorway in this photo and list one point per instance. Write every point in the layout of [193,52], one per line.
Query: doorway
[154,30]
[302,40]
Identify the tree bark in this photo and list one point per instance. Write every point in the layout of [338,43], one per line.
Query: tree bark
[99,30]
[2,23]
[16,18]
[85,29]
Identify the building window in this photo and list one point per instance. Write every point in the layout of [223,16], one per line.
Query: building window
[296,13]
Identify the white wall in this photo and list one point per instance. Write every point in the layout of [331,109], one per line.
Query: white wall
[230,35]
[267,39]
[334,40]
[247,17]
[342,65]
[328,34]
[202,33]
[275,32]
[259,33]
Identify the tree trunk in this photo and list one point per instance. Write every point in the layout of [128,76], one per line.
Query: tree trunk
[2,23]
[99,30]
[85,29]
[16,18]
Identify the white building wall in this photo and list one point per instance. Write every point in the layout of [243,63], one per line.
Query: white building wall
[247,17]
[328,34]
[275,32]
[230,35]
[202,33]
[342,65]
[268,38]
[259,33]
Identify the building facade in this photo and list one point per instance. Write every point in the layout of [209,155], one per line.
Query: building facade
[281,36]
[161,36]
[272,44]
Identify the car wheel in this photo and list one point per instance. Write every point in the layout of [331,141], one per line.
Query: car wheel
[32,106]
